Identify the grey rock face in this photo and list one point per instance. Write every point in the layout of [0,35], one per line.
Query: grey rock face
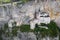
[21,13]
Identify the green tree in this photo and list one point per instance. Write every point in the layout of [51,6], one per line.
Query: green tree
[43,31]
[53,30]
[1,32]
[59,33]
[5,26]
[25,28]
[0,1]
[40,32]
[14,29]
[36,31]
[24,1]
[5,1]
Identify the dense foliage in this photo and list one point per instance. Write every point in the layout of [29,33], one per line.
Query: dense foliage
[1,31]
[52,30]
[25,28]
[7,1]
[14,31]
[4,1]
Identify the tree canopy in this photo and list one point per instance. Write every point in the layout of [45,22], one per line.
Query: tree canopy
[25,28]
[6,1]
